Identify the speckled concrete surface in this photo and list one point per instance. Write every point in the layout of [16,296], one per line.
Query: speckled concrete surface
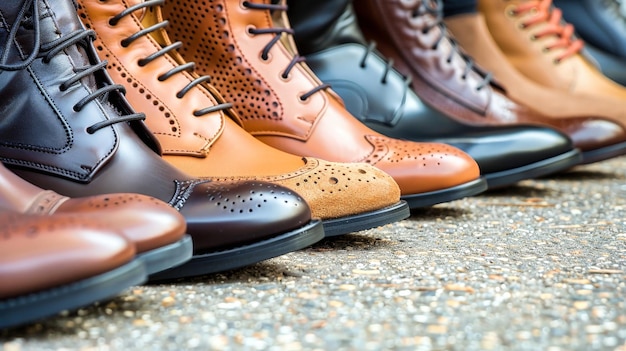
[540,266]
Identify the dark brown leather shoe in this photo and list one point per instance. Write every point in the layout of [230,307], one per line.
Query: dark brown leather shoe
[156,229]
[53,263]
[67,127]
[413,35]
[198,132]
[246,47]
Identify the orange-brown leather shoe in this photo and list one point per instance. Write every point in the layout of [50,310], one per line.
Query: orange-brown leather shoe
[156,229]
[53,263]
[596,125]
[199,134]
[536,40]
[247,49]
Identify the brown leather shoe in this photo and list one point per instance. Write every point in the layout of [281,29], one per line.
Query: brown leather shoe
[413,35]
[247,49]
[596,125]
[199,136]
[156,229]
[58,262]
[536,40]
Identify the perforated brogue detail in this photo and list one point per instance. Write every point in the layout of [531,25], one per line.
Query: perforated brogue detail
[332,188]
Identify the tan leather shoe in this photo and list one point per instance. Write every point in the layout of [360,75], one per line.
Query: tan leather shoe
[58,262]
[246,47]
[156,229]
[534,38]
[595,124]
[198,130]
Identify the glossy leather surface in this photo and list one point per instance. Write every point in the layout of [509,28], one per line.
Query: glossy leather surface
[53,150]
[389,109]
[212,144]
[41,252]
[543,57]
[284,105]
[379,96]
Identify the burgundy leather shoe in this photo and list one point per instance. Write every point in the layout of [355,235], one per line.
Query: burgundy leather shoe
[67,127]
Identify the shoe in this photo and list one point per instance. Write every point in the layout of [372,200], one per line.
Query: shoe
[199,135]
[247,49]
[59,262]
[376,94]
[536,41]
[593,123]
[156,229]
[67,128]
[479,99]
[602,25]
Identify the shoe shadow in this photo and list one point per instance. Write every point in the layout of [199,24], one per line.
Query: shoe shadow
[579,174]
[433,213]
[521,190]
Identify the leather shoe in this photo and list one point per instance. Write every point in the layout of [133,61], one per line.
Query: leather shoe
[66,127]
[156,229]
[380,97]
[60,262]
[254,64]
[198,135]
[600,135]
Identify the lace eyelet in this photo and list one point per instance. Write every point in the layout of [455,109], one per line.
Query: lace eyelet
[112,22]
[302,99]
[124,43]
[76,108]
[142,63]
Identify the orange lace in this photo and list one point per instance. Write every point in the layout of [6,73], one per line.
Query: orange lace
[555,27]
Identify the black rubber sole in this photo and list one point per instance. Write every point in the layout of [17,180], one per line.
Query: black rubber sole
[368,220]
[32,307]
[242,256]
[474,187]
[167,256]
[604,153]
[539,169]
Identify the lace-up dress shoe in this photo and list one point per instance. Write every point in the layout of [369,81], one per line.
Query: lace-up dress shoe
[199,136]
[540,45]
[66,127]
[602,25]
[156,229]
[60,262]
[380,97]
[247,49]
[600,135]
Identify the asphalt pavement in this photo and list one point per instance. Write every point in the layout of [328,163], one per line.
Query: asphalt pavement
[539,266]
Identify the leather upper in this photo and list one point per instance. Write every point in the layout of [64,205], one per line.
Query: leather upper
[540,47]
[206,144]
[43,252]
[248,52]
[116,158]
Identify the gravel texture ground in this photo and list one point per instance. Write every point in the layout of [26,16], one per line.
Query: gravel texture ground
[539,266]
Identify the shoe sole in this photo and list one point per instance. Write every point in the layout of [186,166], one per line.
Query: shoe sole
[29,308]
[368,220]
[539,169]
[242,256]
[167,256]
[474,187]
[604,153]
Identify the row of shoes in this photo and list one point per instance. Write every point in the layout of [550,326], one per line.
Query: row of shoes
[244,149]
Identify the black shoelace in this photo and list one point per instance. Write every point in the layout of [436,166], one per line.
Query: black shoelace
[49,50]
[189,66]
[437,12]
[278,32]
[388,67]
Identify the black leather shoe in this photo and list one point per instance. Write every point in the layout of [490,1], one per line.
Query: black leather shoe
[602,25]
[380,97]
[67,127]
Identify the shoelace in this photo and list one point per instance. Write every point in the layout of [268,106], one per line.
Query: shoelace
[544,12]
[49,50]
[388,67]
[278,32]
[437,12]
[189,66]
